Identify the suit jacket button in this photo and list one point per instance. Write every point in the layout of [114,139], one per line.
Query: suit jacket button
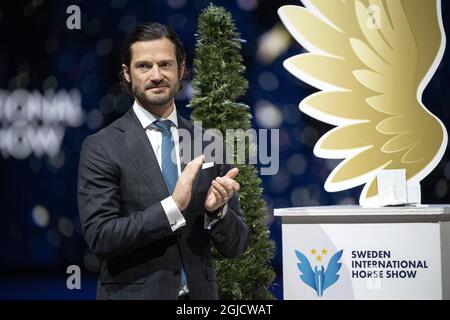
[176,272]
[220,236]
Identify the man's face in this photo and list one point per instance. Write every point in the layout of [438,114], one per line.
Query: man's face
[153,73]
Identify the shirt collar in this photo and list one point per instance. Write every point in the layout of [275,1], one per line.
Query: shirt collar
[147,118]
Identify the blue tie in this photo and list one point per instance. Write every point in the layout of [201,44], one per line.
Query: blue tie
[169,165]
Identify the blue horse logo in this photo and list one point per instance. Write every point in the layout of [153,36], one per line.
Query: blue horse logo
[319,279]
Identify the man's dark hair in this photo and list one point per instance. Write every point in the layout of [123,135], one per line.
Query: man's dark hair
[149,32]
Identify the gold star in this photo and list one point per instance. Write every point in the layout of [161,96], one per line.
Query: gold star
[324,251]
[319,258]
[313,252]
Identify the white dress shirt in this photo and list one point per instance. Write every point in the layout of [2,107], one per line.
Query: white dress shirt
[175,217]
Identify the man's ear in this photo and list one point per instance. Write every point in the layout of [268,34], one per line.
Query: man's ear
[126,73]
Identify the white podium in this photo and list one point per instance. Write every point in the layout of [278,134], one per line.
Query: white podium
[351,252]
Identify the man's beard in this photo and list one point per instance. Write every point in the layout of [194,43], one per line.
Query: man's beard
[155,101]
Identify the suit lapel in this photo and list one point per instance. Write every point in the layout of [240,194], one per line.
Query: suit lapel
[141,154]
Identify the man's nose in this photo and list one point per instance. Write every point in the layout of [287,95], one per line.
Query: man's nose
[155,74]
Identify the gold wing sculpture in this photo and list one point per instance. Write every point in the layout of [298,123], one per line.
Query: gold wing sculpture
[372,60]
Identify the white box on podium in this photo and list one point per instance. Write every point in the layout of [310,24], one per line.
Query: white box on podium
[351,252]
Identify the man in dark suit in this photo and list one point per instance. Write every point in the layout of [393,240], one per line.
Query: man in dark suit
[147,214]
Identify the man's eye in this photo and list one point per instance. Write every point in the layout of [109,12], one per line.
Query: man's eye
[143,66]
[165,65]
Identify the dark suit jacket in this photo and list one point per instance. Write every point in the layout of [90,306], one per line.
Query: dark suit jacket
[120,188]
